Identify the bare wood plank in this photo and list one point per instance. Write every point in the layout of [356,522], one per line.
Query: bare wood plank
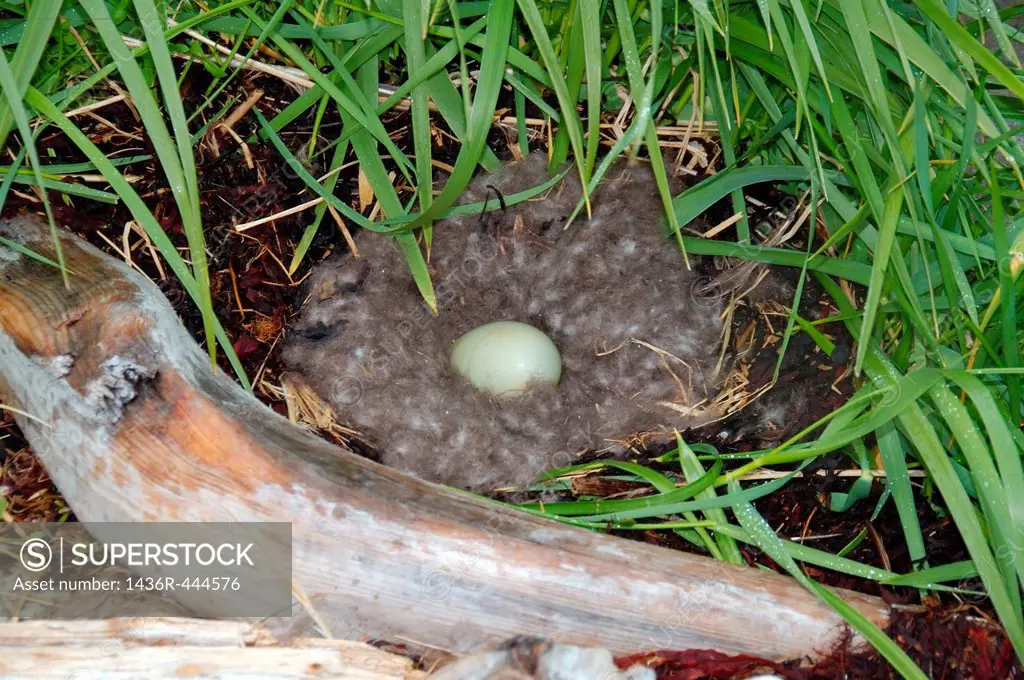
[135,630]
[171,647]
[138,427]
[141,663]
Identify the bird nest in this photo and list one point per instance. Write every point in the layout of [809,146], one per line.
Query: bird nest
[638,330]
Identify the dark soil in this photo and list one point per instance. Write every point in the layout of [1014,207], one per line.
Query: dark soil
[257,300]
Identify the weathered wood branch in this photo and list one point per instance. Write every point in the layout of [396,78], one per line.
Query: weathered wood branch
[137,427]
[136,649]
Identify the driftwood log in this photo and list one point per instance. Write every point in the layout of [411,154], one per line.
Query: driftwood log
[139,649]
[150,648]
[133,425]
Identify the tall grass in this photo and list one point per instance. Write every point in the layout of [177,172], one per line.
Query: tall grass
[895,118]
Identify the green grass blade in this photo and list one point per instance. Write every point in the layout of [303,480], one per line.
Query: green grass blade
[956,571]
[33,43]
[693,471]
[940,469]
[370,162]
[897,480]
[139,211]
[668,493]
[989,488]
[698,198]
[590,27]
[492,68]
[306,241]
[766,539]
[68,188]
[959,36]
[415,54]
[188,202]
[9,87]
[1007,297]
[28,252]
[1007,455]
[891,207]
[181,181]
[364,116]
[570,118]
[634,72]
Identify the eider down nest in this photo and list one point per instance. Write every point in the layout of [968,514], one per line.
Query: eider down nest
[638,331]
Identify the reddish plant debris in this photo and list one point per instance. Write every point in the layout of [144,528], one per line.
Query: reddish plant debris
[947,643]
[26,492]
[245,347]
[700,664]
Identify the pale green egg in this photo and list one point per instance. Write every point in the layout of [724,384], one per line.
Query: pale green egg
[506,357]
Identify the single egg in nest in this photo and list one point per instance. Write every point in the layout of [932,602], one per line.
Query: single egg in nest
[506,358]
[638,332]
